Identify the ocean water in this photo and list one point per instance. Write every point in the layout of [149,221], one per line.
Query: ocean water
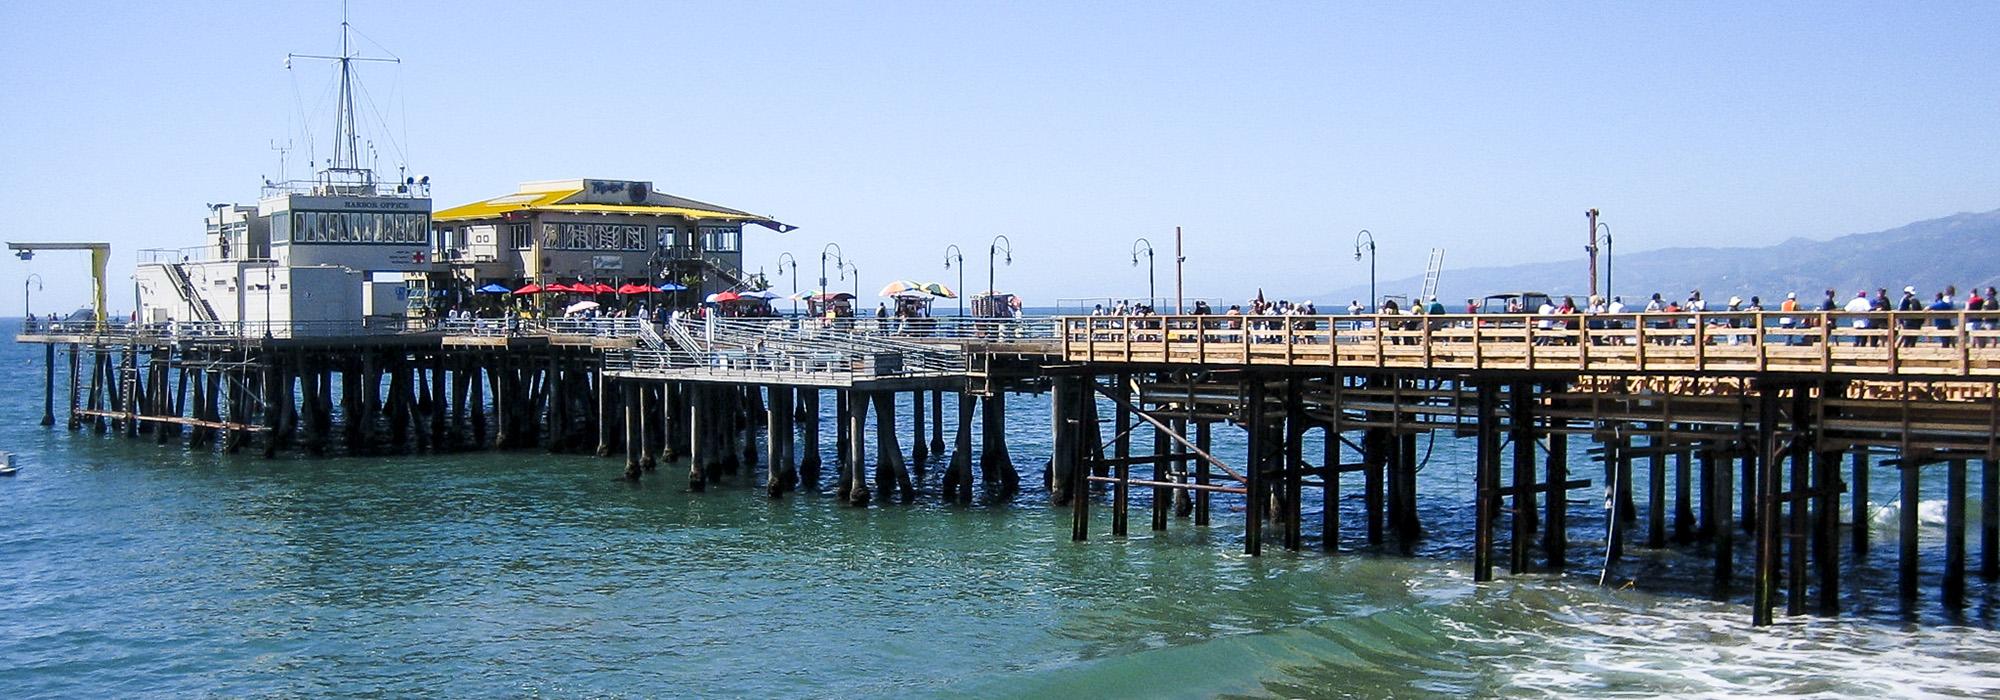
[135,570]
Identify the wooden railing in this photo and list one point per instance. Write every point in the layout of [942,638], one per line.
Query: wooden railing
[1936,344]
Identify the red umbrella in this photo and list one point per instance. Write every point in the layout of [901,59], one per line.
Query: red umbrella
[558,287]
[629,288]
[532,288]
[724,296]
[599,288]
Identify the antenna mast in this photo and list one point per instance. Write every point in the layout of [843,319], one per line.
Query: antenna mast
[347,142]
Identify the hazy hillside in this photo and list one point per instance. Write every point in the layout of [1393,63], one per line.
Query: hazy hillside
[1962,249]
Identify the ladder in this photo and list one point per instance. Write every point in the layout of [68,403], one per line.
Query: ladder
[1431,276]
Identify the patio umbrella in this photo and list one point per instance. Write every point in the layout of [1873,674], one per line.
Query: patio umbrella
[900,286]
[720,297]
[671,287]
[493,289]
[635,289]
[558,287]
[938,289]
[598,288]
[532,288]
[763,294]
[579,306]
[836,296]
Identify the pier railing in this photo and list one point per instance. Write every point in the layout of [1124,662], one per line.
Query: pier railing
[184,331]
[1941,343]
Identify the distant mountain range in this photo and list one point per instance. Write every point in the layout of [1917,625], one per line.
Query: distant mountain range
[1962,249]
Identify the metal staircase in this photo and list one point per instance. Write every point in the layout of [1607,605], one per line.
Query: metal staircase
[194,299]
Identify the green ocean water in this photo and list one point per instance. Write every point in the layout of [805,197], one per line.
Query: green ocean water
[135,570]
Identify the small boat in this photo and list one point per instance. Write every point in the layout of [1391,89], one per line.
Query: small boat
[7,467]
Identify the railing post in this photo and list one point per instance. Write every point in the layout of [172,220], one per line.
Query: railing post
[1757,324]
[1700,343]
[1964,345]
[1380,361]
[1286,323]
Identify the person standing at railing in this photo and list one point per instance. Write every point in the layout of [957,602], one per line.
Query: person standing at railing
[1910,303]
[1942,306]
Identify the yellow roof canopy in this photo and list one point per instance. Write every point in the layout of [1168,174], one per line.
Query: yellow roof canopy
[542,197]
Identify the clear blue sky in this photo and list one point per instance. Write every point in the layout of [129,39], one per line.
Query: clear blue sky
[1271,132]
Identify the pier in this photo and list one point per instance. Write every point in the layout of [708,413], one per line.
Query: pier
[1751,432]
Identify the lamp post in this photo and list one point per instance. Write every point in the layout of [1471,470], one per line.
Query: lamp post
[850,269]
[1151,294]
[1605,239]
[782,258]
[838,255]
[270,278]
[1373,303]
[951,253]
[1590,247]
[1000,243]
[27,312]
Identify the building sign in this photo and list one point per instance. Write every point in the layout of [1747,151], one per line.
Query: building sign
[607,262]
[575,236]
[360,227]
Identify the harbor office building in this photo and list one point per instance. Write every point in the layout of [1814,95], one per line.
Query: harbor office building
[313,258]
[610,231]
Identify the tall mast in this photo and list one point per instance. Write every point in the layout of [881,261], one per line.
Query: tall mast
[347,139]
[350,156]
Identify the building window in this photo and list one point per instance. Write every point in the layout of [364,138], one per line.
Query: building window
[520,236]
[721,239]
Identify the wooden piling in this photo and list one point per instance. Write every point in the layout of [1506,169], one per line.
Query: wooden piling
[1520,423]
[1486,472]
[1768,537]
[698,424]
[1989,519]
[1954,536]
[856,471]
[1121,450]
[809,462]
[920,449]
[1906,527]
[996,467]
[890,470]
[1254,488]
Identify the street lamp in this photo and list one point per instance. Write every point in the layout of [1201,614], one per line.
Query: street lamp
[951,253]
[1604,238]
[1373,303]
[837,257]
[27,313]
[782,257]
[1150,293]
[1000,243]
[850,269]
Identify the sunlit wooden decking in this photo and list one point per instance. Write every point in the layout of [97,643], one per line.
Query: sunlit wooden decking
[1956,344]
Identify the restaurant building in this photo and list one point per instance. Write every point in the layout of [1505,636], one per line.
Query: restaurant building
[593,230]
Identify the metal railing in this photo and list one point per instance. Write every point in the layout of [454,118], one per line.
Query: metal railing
[171,331]
[1963,343]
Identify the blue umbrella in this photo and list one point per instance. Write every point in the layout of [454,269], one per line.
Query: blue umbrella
[493,289]
[671,287]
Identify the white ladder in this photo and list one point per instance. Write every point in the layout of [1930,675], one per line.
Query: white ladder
[1431,276]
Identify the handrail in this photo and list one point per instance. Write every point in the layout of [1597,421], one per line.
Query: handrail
[1934,343]
[171,331]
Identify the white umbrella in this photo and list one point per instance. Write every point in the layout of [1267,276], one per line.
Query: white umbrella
[580,306]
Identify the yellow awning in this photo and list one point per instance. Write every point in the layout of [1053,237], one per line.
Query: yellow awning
[497,206]
[649,210]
